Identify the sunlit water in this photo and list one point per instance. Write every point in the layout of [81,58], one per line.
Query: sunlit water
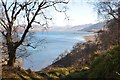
[52,46]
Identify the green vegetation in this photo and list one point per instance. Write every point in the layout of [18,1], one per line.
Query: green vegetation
[106,65]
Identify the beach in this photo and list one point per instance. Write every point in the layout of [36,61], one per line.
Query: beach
[89,38]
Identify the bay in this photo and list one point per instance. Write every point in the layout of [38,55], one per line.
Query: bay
[54,44]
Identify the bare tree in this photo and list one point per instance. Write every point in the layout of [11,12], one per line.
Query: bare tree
[30,10]
[110,11]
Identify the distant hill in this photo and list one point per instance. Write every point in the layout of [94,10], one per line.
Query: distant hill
[76,28]
[85,27]
[70,28]
[80,27]
[35,28]
[94,27]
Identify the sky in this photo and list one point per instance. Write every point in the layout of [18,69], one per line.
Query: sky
[79,12]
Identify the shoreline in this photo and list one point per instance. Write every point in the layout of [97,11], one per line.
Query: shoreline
[89,38]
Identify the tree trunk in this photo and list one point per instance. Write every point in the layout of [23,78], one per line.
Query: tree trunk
[11,60]
[11,56]
[118,29]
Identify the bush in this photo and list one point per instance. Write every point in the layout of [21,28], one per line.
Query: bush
[107,65]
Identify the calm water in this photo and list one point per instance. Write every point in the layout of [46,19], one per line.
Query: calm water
[52,46]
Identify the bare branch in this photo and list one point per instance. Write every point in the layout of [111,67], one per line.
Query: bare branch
[39,8]
[29,25]
[45,17]
[22,7]
[29,45]
[3,26]
[59,10]
[37,22]
[53,3]
[111,12]
[10,6]
[2,22]
[13,10]
[6,11]
[3,33]
[66,16]
[27,14]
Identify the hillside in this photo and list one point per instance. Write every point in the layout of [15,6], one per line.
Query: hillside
[104,65]
[94,59]
[77,56]
[85,27]
[94,27]
[80,27]
[69,28]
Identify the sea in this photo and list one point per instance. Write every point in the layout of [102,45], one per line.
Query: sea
[47,46]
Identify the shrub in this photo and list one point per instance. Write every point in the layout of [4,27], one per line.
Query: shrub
[107,65]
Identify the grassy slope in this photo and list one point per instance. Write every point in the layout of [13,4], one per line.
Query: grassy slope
[104,65]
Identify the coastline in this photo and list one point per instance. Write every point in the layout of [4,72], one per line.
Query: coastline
[89,38]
